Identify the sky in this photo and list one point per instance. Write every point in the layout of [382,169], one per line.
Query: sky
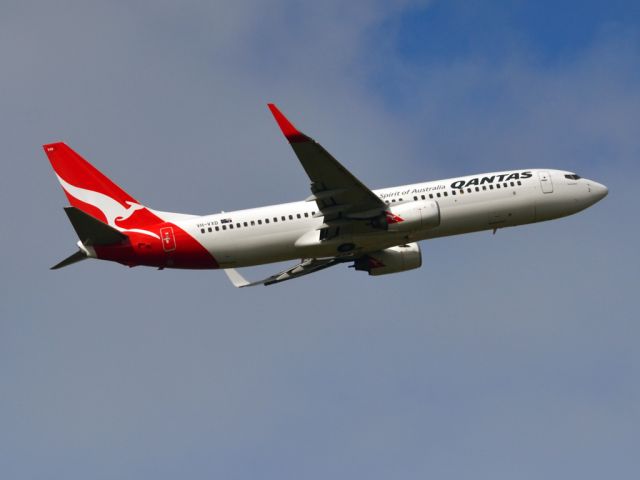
[506,356]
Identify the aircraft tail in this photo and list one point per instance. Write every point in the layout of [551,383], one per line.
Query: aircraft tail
[92,192]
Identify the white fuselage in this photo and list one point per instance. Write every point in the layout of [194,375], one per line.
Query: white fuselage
[467,204]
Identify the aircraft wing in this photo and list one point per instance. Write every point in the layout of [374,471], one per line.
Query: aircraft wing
[305,267]
[337,192]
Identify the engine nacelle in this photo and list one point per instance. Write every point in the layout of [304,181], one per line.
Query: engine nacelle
[391,260]
[412,216]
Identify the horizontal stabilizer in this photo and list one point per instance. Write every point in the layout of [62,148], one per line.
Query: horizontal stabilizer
[75,258]
[92,231]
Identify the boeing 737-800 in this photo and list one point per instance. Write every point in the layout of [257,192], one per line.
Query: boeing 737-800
[341,221]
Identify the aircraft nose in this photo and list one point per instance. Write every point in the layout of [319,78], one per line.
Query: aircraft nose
[598,190]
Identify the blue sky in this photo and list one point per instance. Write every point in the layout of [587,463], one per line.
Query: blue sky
[504,356]
[442,31]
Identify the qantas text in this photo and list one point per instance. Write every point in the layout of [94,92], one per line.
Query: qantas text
[504,177]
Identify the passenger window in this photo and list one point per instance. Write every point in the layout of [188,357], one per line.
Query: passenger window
[513,184]
[505,185]
[438,195]
[393,200]
[399,199]
[209,229]
[202,230]
[461,191]
[259,222]
[298,215]
[484,187]
[224,227]
[290,217]
[415,198]
[275,219]
[266,220]
[246,224]
[497,185]
[231,226]
[423,197]
[238,225]
[313,213]
[446,194]
[253,223]
[283,218]
[468,190]
[490,187]
[477,189]
[217,229]
[519,183]
[306,214]
[453,192]
[387,202]
[431,195]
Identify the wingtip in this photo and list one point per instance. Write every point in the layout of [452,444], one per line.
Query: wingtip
[235,278]
[288,129]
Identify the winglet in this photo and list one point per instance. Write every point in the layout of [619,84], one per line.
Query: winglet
[292,133]
[234,276]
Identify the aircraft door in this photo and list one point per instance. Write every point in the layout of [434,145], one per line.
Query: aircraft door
[168,239]
[545,182]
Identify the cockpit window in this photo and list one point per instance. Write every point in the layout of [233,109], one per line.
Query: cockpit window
[573,176]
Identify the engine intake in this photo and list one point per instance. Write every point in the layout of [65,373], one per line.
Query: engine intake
[391,260]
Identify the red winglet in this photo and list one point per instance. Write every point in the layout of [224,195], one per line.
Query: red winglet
[289,131]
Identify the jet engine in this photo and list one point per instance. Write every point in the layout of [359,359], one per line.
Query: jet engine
[391,260]
[412,216]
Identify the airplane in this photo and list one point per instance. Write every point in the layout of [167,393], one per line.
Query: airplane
[342,221]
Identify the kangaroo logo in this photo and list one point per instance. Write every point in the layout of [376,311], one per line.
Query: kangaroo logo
[393,218]
[111,209]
